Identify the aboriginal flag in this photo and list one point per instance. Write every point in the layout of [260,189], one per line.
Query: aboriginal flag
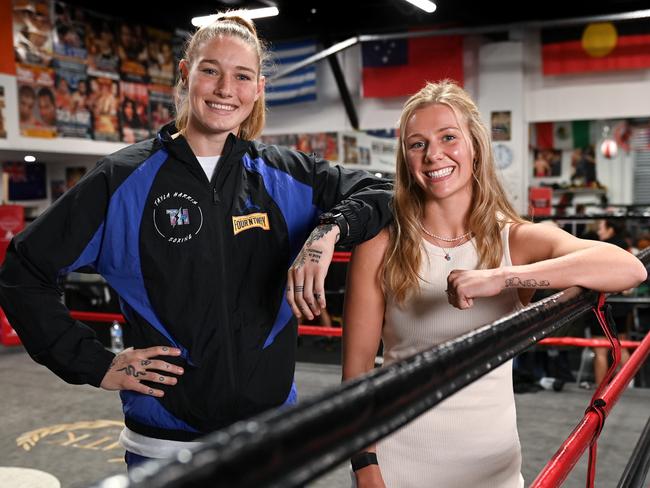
[602,46]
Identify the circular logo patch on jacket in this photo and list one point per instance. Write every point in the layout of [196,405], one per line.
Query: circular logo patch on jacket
[177,217]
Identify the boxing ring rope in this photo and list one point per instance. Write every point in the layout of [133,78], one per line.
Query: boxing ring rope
[291,446]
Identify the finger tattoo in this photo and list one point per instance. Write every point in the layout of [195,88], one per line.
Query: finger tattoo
[161,379]
[317,296]
[145,362]
[150,391]
[299,289]
[131,371]
[165,348]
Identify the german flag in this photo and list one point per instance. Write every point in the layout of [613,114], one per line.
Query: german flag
[602,46]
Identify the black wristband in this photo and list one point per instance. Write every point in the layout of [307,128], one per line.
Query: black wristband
[338,219]
[363,459]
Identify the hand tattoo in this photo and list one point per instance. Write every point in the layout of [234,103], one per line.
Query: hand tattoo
[314,255]
[531,283]
[319,232]
[131,371]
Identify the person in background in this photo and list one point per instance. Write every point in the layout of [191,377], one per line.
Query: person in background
[612,232]
[195,230]
[457,256]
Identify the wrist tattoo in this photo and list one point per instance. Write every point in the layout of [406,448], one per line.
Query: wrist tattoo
[516,282]
[131,371]
[320,231]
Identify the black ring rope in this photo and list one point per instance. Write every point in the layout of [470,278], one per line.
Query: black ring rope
[291,446]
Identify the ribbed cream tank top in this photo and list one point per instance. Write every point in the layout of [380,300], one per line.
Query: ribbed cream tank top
[470,439]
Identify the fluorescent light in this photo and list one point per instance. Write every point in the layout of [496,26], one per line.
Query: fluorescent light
[255,13]
[425,5]
[29,158]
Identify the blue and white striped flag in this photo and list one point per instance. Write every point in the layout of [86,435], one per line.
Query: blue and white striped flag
[299,86]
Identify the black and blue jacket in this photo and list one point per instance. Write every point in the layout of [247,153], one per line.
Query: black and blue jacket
[200,265]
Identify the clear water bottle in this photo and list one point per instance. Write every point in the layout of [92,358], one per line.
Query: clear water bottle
[117,340]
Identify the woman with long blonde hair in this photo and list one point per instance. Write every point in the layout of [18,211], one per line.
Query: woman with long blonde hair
[456,257]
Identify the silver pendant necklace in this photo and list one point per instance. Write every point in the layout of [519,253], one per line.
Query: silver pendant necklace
[447,256]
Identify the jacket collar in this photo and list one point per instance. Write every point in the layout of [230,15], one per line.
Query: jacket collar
[233,148]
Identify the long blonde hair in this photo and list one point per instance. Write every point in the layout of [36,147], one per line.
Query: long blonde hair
[490,210]
[225,25]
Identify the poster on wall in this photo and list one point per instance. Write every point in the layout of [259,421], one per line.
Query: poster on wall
[134,119]
[161,106]
[100,43]
[3,124]
[501,125]
[160,63]
[36,102]
[26,180]
[132,52]
[72,111]
[323,144]
[32,27]
[103,100]
[69,36]
[375,149]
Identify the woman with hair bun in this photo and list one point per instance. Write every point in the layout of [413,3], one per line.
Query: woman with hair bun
[196,230]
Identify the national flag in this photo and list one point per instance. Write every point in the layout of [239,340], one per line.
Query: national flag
[299,86]
[601,46]
[400,67]
[562,135]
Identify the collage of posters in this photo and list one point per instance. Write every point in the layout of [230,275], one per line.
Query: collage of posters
[373,149]
[88,75]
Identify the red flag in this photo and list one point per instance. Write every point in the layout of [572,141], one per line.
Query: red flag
[602,46]
[544,135]
[401,67]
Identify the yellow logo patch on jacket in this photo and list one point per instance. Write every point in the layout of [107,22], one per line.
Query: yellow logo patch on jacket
[250,221]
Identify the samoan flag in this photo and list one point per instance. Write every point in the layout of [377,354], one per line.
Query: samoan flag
[298,86]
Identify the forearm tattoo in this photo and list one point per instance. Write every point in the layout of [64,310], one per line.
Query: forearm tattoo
[131,371]
[314,255]
[516,282]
